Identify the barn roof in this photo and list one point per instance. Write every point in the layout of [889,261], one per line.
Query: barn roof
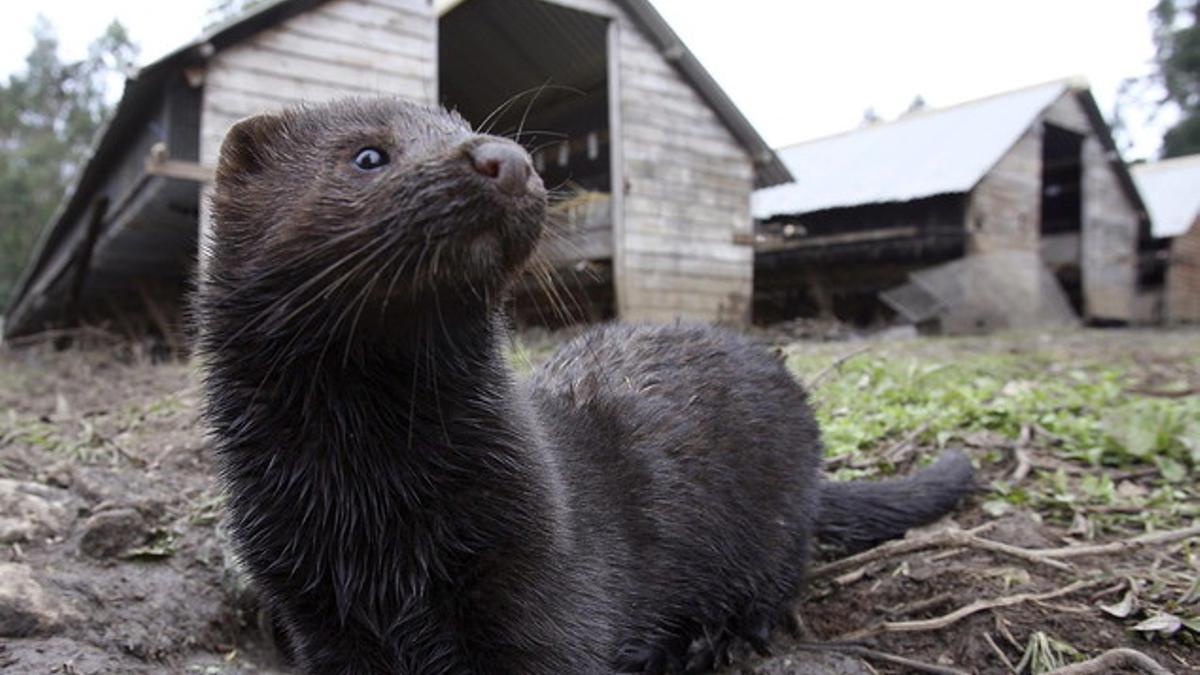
[146,86]
[1171,188]
[922,154]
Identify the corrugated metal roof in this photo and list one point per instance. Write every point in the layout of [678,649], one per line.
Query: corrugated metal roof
[1171,190]
[922,154]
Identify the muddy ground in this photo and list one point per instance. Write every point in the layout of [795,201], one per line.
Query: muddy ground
[113,558]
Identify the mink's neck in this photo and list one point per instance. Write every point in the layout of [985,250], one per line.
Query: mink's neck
[416,455]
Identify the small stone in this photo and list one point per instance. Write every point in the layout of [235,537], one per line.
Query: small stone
[808,663]
[30,510]
[110,533]
[24,607]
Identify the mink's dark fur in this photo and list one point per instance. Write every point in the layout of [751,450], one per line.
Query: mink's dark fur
[408,505]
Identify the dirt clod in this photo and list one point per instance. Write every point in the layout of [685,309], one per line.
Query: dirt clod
[110,533]
[25,608]
[29,510]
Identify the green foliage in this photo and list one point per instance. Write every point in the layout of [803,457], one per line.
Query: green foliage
[876,400]
[48,116]
[1177,57]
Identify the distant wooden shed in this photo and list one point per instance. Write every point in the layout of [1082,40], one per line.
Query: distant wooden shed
[1029,170]
[659,162]
[1171,188]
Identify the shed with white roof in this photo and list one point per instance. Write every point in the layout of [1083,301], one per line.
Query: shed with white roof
[1031,170]
[1171,188]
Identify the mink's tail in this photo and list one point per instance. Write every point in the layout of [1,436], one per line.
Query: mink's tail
[857,515]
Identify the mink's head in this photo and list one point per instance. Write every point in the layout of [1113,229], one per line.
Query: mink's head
[368,206]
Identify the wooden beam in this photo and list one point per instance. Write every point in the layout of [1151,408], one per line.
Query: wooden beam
[767,243]
[159,163]
[83,262]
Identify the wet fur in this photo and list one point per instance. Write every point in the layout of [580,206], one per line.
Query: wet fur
[647,497]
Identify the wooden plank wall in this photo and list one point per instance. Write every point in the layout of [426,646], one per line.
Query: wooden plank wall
[340,48]
[1183,277]
[688,194]
[1004,209]
[687,185]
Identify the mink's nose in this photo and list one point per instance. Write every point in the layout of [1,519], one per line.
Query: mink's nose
[505,163]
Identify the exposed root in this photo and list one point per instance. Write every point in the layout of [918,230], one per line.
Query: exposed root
[963,612]
[1111,661]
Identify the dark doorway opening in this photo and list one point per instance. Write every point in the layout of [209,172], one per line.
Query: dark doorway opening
[1062,181]
[1062,209]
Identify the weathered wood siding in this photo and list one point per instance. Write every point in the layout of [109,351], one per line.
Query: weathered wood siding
[1005,213]
[1110,240]
[1183,277]
[687,184]
[1004,209]
[340,48]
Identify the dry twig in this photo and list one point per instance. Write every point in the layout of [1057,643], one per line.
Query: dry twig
[1111,661]
[836,365]
[1051,557]
[1142,541]
[965,611]
[899,450]
[1000,652]
[1163,393]
[942,539]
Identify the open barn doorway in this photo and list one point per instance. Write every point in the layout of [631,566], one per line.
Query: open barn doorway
[537,72]
[1062,209]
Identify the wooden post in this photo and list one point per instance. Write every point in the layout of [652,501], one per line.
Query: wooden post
[617,168]
[72,310]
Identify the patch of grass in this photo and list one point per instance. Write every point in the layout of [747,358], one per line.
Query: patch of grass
[1106,457]
[1085,406]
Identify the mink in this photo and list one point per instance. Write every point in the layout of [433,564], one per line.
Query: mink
[644,500]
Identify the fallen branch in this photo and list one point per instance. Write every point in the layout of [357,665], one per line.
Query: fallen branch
[836,365]
[1112,661]
[965,611]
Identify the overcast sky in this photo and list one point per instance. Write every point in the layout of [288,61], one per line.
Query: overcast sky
[797,68]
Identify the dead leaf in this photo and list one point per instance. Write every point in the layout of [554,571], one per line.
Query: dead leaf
[1164,623]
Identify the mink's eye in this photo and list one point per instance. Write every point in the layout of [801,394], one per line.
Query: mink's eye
[369,159]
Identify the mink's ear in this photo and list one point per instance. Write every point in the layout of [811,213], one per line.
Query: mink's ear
[248,144]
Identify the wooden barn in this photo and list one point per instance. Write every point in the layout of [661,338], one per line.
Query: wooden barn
[656,163]
[1032,170]
[1171,188]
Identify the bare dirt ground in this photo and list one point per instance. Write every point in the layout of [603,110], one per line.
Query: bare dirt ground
[113,559]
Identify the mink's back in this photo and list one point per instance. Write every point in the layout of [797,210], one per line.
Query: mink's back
[691,458]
